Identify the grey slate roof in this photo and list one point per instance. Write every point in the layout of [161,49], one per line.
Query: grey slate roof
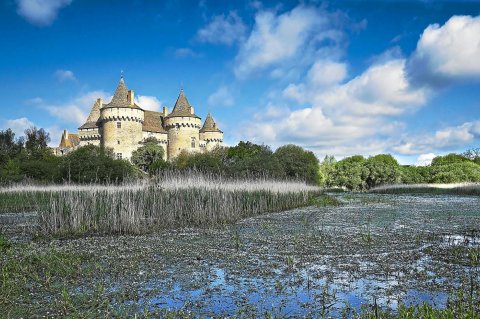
[120,97]
[93,117]
[153,122]
[210,125]
[182,107]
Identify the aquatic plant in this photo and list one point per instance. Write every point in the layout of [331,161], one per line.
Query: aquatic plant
[174,200]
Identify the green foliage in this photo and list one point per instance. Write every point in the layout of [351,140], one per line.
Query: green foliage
[298,163]
[248,159]
[326,170]
[464,171]
[350,173]
[415,174]
[449,159]
[147,154]
[9,146]
[210,162]
[91,163]
[36,143]
[381,169]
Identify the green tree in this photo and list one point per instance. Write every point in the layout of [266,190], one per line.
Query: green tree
[89,164]
[350,172]
[147,154]
[10,147]
[326,169]
[415,174]
[36,143]
[465,171]
[451,158]
[249,159]
[381,169]
[298,163]
[212,161]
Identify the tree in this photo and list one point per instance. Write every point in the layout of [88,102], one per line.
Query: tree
[212,161]
[249,159]
[298,163]
[350,173]
[451,158]
[147,154]
[465,171]
[36,142]
[381,169]
[9,146]
[326,169]
[91,163]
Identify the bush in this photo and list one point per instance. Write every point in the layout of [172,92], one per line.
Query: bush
[91,163]
[298,163]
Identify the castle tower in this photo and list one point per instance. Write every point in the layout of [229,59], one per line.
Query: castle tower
[89,132]
[211,134]
[183,128]
[121,123]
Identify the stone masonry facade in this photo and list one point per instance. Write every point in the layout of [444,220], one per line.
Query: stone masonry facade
[123,126]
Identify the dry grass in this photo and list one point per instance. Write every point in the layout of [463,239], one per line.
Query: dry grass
[453,189]
[172,200]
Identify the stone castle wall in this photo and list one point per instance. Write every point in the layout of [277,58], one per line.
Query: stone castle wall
[211,139]
[181,131]
[126,138]
[89,136]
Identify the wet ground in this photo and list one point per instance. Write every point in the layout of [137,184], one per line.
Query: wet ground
[384,249]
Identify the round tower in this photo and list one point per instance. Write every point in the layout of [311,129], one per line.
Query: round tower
[183,128]
[211,134]
[121,123]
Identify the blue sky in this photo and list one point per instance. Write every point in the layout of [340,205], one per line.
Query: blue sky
[336,77]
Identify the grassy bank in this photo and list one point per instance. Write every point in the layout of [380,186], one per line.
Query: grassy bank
[171,201]
[452,189]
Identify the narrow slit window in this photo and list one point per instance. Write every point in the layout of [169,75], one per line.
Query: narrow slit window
[119,124]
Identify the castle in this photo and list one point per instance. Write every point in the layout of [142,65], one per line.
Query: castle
[122,126]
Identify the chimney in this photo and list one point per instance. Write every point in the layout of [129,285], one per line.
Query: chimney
[191,110]
[100,102]
[165,110]
[131,97]
[65,134]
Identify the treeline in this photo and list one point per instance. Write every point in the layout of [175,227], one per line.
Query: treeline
[29,158]
[360,173]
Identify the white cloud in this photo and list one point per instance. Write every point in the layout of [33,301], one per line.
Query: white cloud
[40,12]
[442,139]
[425,159]
[77,109]
[150,103]
[291,36]
[19,125]
[223,96]
[223,29]
[65,75]
[447,53]
[342,118]
[182,53]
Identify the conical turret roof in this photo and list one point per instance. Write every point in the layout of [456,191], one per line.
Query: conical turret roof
[94,116]
[210,125]
[182,107]
[120,98]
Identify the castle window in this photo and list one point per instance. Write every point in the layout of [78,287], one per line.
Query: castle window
[193,142]
[118,142]
[119,124]
[119,155]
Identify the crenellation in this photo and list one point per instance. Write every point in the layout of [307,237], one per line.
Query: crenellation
[123,126]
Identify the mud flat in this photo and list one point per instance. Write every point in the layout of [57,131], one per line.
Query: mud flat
[375,249]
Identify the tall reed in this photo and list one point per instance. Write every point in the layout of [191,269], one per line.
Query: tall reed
[174,200]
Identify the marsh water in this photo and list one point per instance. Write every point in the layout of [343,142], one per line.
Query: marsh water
[373,249]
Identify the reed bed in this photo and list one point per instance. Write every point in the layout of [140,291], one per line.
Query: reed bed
[453,189]
[175,200]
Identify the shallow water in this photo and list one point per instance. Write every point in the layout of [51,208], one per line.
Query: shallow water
[387,249]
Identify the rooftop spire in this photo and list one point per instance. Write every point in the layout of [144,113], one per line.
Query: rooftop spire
[182,107]
[210,125]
